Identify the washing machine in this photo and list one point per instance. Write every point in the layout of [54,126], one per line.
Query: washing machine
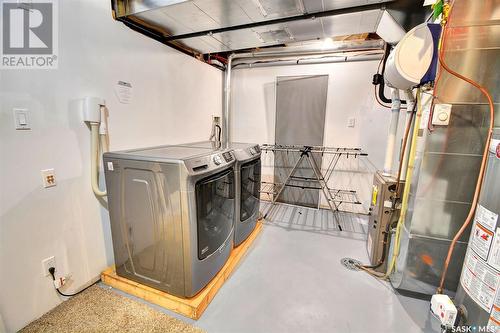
[247,172]
[172,215]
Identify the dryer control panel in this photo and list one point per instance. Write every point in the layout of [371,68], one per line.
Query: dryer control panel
[254,150]
[202,164]
[228,157]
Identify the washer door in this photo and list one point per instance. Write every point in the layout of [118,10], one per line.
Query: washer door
[214,210]
[250,187]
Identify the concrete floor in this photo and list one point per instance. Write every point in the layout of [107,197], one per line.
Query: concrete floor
[292,281]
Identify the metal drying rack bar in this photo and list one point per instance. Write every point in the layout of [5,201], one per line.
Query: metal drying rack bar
[334,197]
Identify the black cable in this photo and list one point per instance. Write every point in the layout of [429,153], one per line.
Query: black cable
[378,79]
[52,271]
[220,132]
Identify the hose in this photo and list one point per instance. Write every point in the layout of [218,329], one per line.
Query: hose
[381,90]
[218,135]
[94,160]
[482,169]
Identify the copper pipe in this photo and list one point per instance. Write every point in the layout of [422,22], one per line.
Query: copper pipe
[482,170]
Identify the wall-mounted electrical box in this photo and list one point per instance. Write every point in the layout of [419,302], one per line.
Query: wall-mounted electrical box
[381,218]
[441,114]
[91,109]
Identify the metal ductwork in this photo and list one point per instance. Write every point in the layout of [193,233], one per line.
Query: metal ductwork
[449,156]
[221,26]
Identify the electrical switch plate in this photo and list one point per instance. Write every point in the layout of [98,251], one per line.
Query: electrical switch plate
[21,119]
[48,178]
[441,114]
[351,122]
[47,263]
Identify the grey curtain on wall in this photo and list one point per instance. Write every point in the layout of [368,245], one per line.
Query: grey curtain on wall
[300,120]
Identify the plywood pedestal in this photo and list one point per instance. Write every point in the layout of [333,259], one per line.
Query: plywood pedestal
[189,307]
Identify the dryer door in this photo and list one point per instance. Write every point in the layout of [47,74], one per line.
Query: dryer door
[250,187]
[215,210]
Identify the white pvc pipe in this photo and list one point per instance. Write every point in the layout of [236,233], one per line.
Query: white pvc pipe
[94,159]
[393,130]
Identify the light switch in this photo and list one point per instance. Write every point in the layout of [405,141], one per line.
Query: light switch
[21,119]
[441,114]
[351,122]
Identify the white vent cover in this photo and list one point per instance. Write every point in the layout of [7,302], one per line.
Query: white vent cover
[279,8]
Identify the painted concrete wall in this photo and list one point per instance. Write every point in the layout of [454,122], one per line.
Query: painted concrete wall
[350,95]
[174,97]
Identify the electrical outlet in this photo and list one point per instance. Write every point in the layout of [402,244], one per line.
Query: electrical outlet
[48,178]
[47,263]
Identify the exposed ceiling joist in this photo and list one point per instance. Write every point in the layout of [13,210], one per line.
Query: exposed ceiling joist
[202,27]
[308,16]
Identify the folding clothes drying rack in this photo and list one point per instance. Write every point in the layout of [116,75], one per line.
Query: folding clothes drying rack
[334,197]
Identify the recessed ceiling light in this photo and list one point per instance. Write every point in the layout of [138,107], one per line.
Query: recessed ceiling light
[328,43]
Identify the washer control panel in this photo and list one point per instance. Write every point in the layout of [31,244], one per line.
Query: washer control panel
[209,162]
[217,159]
[228,157]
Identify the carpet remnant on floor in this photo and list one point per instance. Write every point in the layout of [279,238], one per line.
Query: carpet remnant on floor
[99,309]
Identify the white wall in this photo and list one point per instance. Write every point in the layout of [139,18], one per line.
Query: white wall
[174,98]
[350,94]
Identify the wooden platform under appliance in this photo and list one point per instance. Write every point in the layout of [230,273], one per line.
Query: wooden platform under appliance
[189,307]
